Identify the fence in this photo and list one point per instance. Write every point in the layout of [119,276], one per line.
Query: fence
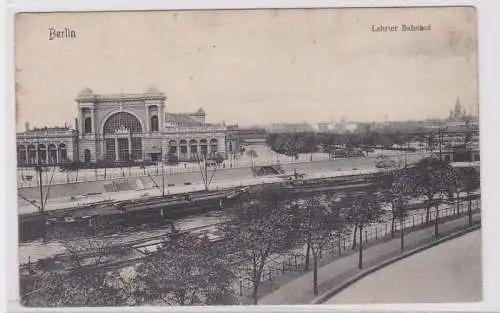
[294,261]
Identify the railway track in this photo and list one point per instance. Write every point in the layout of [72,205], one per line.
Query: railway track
[141,244]
[140,256]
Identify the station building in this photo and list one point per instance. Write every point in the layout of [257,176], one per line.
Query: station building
[124,127]
[49,145]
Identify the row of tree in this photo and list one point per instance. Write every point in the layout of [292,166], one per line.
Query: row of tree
[192,270]
[292,144]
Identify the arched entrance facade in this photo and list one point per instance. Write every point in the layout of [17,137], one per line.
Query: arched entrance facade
[122,133]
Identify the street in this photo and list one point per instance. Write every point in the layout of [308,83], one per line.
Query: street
[449,272]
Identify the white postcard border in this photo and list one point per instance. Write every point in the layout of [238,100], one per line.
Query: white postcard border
[489,51]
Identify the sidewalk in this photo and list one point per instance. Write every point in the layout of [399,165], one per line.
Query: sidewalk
[338,271]
[67,202]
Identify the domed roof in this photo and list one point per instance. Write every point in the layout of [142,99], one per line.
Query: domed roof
[86,92]
[200,112]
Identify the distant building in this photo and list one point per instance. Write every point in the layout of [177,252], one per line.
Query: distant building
[290,128]
[237,136]
[324,127]
[340,127]
[233,140]
[457,114]
[344,127]
[124,127]
[463,153]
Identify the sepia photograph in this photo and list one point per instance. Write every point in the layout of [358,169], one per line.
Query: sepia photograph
[248,157]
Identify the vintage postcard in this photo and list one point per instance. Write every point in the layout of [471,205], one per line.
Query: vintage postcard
[248,157]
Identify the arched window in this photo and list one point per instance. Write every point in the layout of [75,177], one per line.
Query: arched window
[203,147]
[154,123]
[122,120]
[136,153]
[213,146]
[87,127]
[42,153]
[21,154]
[32,154]
[110,154]
[52,153]
[86,155]
[183,146]
[193,146]
[172,147]
[63,153]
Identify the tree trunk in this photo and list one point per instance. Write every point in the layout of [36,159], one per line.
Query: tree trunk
[315,274]
[255,291]
[256,279]
[354,236]
[308,252]
[402,234]
[436,222]
[393,225]
[360,260]
[182,298]
[428,213]
[469,207]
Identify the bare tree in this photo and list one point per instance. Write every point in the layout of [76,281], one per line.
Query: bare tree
[206,175]
[185,271]
[402,190]
[364,210]
[427,185]
[435,179]
[54,289]
[386,180]
[259,229]
[85,283]
[469,181]
[320,224]
[252,154]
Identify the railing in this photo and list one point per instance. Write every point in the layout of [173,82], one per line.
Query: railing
[294,261]
[55,177]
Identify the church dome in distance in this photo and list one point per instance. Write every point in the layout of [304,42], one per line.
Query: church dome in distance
[86,92]
[200,112]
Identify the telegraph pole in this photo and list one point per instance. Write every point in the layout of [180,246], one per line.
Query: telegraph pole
[162,177]
[440,134]
[38,167]
[41,188]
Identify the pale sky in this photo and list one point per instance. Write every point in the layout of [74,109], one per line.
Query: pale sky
[252,66]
